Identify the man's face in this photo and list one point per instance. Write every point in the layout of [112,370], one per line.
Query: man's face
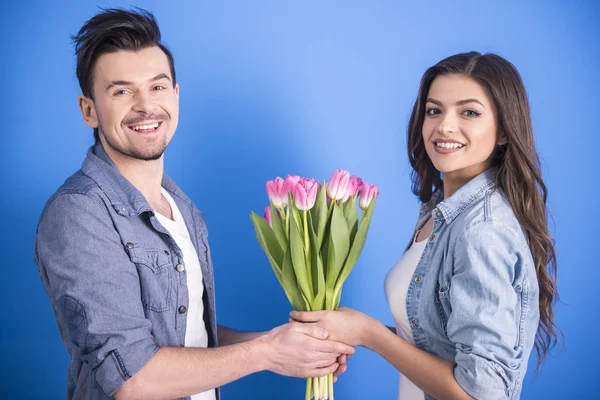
[135,105]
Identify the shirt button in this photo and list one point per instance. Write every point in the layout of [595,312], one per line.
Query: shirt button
[418,278]
[432,238]
[180,268]
[182,309]
[415,324]
[129,245]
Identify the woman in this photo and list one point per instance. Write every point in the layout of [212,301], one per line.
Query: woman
[472,288]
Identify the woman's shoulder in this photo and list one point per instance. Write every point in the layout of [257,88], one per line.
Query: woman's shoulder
[490,218]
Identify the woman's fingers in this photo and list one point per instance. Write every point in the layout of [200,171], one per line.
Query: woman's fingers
[305,316]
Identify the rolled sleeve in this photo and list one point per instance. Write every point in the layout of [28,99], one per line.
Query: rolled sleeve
[484,322]
[95,288]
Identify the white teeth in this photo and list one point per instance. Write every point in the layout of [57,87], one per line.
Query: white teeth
[145,127]
[449,145]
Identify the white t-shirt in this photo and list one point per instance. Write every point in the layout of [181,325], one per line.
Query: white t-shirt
[396,289]
[195,334]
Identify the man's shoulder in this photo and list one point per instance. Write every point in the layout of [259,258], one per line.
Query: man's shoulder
[78,185]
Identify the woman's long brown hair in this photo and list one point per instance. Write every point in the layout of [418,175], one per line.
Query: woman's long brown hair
[519,174]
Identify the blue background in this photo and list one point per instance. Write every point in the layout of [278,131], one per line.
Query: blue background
[270,88]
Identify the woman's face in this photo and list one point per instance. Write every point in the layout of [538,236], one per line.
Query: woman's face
[460,127]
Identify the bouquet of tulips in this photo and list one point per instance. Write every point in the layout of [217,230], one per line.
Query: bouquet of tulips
[312,237]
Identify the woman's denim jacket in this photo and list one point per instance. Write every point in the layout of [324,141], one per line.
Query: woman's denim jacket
[473,298]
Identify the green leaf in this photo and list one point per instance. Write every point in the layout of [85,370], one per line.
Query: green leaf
[278,229]
[268,242]
[317,271]
[357,246]
[298,258]
[338,245]
[290,284]
[351,215]
[319,212]
[336,299]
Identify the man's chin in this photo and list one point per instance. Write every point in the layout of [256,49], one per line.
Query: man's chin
[145,155]
[149,155]
[153,157]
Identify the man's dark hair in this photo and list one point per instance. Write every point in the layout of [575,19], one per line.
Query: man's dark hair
[110,31]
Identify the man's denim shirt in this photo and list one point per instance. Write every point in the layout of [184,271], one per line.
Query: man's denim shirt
[473,298]
[109,269]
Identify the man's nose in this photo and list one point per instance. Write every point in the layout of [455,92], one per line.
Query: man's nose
[143,103]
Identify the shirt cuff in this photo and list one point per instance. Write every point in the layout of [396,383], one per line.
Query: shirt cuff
[486,383]
[122,363]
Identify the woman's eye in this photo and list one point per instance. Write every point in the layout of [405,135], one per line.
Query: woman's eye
[471,113]
[433,111]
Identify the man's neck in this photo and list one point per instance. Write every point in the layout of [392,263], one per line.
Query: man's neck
[146,176]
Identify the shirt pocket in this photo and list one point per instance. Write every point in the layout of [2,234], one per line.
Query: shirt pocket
[155,276]
[442,301]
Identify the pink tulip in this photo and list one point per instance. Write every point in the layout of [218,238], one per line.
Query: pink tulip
[288,187]
[336,188]
[268,216]
[353,187]
[367,192]
[305,193]
[274,190]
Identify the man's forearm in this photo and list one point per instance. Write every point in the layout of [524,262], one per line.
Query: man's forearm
[175,372]
[229,336]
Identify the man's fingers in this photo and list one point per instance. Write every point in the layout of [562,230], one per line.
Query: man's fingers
[319,372]
[342,359]
[340,370]
[304,316]
[331,346]
[322,363]
[311,330]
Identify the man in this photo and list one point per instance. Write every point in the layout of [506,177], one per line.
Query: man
[123,253]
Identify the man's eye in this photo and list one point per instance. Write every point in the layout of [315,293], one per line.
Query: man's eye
[471,113]
[159,87]
[433,111]
[122,91]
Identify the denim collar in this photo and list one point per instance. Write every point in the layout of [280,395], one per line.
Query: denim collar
[448,209]
[125,198]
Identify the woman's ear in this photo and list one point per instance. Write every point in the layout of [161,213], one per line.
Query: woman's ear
[502,139]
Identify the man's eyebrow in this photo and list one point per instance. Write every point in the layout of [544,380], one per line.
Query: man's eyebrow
[161,76]
[124,83]
[118,83]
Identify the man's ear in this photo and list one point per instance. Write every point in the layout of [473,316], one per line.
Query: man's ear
[88,111]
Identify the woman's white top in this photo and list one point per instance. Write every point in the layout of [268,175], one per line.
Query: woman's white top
[396,289]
